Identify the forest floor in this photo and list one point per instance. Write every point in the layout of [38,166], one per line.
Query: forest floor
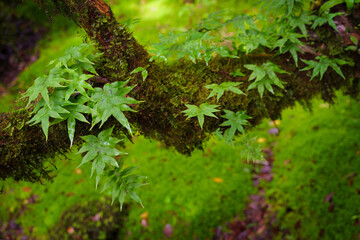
[260,221]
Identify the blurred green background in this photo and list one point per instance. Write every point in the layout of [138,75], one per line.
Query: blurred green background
[315,189]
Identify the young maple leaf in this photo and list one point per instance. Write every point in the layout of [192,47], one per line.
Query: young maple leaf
[44,112]
[235,121]
[77,82]
[41,85]
[264,76]
[76,111]
[225,86]
[204,109]
[322,65]
[112,100]
[102,150]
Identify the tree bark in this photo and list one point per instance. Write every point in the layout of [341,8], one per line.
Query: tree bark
[169,87]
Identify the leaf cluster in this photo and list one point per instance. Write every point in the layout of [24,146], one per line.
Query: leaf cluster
[199,43]
[219,90]
[123,182]
[67,95]
[319,67]
[112,100]
[264,76]
[204,109]
[236,122]
[102,151]
[283,7]
[63,91]
[329,4]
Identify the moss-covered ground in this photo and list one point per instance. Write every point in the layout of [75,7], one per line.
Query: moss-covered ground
[316,171]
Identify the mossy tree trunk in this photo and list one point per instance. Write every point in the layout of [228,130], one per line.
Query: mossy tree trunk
[169,87]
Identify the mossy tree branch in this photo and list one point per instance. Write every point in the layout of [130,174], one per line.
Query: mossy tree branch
[169,87]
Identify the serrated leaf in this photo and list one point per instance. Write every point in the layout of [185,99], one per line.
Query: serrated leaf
[237,73]
[74,113]
[328,5]
[105,134]
[220,89]
[90,155]
[41,85]
[106,186]
[204,109]
[99,164]
[43,113]
[89,139]
[110,160]
[122,198]
[326,18]
[112,100]
[235,121]
[77,82]
[319,67]
[115,193]
[264,76]
[133,195]
[301,21]
[127,171]
[100,150]
[97,181]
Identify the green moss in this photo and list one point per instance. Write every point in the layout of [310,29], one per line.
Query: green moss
[170,86]
[92,220]
[317,156]
[182,190]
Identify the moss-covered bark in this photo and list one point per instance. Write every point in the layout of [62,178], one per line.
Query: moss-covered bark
[169,87]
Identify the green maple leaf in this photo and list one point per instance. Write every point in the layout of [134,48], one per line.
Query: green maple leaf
[44,112]
[326,18]
[100,150]
[225,86]
[301,21]
[250,149]
[204,109]
[76,55]
[75,112]
[123,183]
[41,85]
[212,22]
[241,22]
[143,71]
[73,115]
[290,43]
[253,41]
[264,77]
[112,100]
[235,121]
[77,81]
[319,67]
